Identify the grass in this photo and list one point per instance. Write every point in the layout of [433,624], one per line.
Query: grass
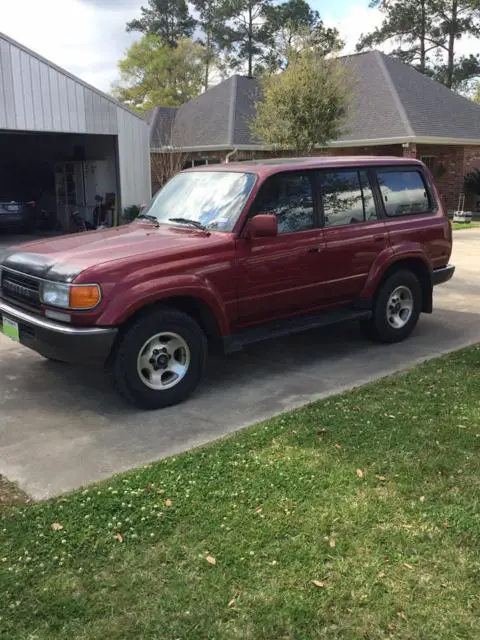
[375,495]
[457,226]
[10,494]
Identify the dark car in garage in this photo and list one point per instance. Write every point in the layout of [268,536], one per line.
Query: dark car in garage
[16,214]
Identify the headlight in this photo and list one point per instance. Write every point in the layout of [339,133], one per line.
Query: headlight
[70,296]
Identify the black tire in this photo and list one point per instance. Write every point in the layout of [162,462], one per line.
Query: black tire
[127,379]
[378,327]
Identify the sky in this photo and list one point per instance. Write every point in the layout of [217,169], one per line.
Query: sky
[88,37]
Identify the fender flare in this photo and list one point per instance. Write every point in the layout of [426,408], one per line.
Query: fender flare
[129,300]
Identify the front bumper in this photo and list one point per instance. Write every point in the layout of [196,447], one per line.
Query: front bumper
[77,345]
[444,274]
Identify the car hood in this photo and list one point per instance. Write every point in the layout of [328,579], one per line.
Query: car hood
[65,257]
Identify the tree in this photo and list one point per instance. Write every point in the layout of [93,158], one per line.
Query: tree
[154,73]
[246,32]
[407,23]
[427,33]
[211,23]
[303,107]
[476,94]
[170,20]
[457,18]
[294,27]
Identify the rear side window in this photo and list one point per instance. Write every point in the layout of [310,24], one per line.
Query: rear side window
[404,193]
[347,198]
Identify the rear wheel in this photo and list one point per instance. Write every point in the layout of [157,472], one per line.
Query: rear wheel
[396,309]
[160,359]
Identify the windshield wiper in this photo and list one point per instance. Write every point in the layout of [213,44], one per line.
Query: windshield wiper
[145,216]
[193,223]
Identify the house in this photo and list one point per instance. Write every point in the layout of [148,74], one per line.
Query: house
[395,111]
[65,144]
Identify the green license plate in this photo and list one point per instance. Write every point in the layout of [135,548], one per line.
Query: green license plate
[10,329]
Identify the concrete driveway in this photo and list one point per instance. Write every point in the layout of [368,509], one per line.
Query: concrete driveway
[61,427]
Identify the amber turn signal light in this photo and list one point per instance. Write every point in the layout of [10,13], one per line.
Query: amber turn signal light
[84,296]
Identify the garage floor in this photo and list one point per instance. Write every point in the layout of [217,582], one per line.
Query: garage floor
[62,427]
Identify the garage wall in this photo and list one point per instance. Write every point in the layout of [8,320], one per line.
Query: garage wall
[133,162]
[38,96]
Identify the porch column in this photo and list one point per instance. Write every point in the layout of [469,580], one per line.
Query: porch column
[409,150]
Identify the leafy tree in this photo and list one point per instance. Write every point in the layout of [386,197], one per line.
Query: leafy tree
[155,73]
[294,27]
[304,106]
[170,20]
[427,33]
[476,94]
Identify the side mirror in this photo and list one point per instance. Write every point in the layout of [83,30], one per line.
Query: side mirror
[263,225]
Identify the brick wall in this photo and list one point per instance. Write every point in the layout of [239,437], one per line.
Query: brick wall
[450,165]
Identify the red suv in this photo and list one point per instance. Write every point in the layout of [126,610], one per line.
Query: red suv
[229,255]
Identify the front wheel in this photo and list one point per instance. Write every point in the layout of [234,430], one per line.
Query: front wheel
[396,309]
[160,359]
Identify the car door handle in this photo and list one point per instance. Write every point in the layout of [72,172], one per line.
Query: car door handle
[378,238]
[313,250]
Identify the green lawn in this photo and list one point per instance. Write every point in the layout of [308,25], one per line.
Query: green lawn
[356,518]
[457,226]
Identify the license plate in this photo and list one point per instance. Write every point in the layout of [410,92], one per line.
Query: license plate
[10,329]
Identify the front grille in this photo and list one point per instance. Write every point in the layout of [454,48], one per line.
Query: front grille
[20,287]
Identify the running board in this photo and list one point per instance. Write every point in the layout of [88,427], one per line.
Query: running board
[278,329]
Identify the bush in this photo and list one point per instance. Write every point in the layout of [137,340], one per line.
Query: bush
[131,212]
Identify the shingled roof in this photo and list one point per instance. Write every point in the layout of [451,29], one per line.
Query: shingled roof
[391,103]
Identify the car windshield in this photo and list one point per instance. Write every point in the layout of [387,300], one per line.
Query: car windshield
[213,199]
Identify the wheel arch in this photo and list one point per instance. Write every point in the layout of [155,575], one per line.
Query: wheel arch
[195,307]
[421,270]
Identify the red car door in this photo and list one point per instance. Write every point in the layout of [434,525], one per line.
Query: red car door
[280,276]
[354,235]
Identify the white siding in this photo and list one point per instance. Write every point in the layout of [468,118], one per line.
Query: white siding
[35,95]
[134,159]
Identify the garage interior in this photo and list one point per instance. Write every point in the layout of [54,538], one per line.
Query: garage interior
[62,173]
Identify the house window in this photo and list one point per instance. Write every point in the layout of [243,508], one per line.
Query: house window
[199,163]
[428,161]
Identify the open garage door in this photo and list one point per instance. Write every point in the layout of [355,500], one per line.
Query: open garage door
[61,173]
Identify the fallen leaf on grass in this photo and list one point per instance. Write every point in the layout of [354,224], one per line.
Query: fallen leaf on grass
[259,510]
[149,487]
[401,615]
[332,543]
[381,478]
[119,537]
[168,503]
[407,566]
[211,560]
[338,446]
[360,473]
[232,603]
[319,583]
[422,498]
[56,526]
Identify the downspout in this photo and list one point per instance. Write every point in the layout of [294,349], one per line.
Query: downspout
[230,154]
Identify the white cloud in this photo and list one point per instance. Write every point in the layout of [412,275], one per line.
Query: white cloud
[78,36]
[358,19]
